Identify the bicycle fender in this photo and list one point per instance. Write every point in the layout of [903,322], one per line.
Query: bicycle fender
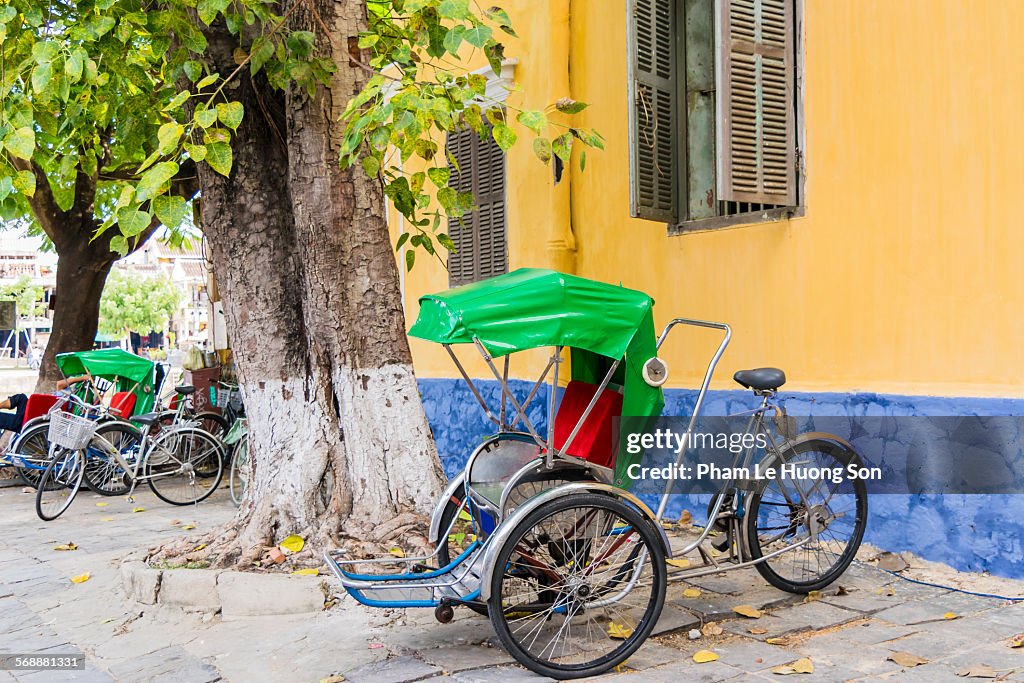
[501,535]
[457,481]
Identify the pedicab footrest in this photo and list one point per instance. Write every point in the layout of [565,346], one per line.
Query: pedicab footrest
[458,580]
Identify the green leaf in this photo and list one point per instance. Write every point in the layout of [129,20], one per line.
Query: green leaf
[119,244]
[230,114]
[410,259]
[542,148]
[75,64]
[534,120]
[6,187]
[168,136]
[439,176]
[7,13]
[498,16]
[301,43]
[41,77]
[570,106]
[21,142]
[154,179]
[208,9]
[170,209]
[562,146]
[25,182]
[446,242]
[367,40]
[448,199]
[402,239]
[454,9]
[495,53]
[195,152]
[177,100]
[206,117]
[132,222]
[45,51]
[262,51]
[219,157]
[583,160]
[477,36]
[193,70]
[371,165]
[504,136]
[453,39]
[207,81]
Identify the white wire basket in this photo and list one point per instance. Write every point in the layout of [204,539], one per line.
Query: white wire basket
[71,431]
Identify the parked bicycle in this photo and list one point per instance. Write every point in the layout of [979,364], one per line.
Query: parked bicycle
[238,441]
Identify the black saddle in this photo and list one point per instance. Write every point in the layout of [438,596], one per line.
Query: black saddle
[146,419]
[185,389]
[761,379]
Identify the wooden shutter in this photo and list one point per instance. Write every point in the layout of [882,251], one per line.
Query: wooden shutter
[480,237]
[756,84]
[653,117]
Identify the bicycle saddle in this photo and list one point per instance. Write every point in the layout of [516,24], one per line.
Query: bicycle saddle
[185,389]
[146,419]
[761,379]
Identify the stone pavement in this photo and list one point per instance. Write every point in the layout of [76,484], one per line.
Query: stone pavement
[847,637]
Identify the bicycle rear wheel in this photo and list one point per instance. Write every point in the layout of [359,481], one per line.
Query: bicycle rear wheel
[59,484]
[103,474]
[174,459]
[239,477]
[31,454]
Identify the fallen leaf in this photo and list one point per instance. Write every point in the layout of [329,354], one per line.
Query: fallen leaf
[906,659]
[686,517]
[981,671]
[397,552]
[107,621]
[138,509]
[619,631]
[812,596]
[198,547]
[712,630]
[691,593]
[81,578]
[188,527]
[102,505]
[28,489]
[682,563]
[293,543]
[704,656]
[108,519]
[175,522]
[67,546]
[950,615]
[842,591]
[757,631]
[748,611]
[276,555]
[307,572]
[803,665]
[375,646]
[1017,641]
[337,678]
[776,641]
[892,562]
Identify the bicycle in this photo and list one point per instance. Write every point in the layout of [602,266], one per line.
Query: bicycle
[238,478]
[167,462]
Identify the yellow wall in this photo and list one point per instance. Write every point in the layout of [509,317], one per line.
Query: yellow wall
[905,276]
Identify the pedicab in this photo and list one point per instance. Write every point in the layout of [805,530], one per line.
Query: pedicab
[539,533]
[125,383]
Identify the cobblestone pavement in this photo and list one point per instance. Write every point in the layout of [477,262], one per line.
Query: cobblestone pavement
[851,636]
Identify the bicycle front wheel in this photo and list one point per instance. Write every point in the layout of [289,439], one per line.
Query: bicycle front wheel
[174,460]
[59,484]
[239,477]
[103,473]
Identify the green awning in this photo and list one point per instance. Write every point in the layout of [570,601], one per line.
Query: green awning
[128,371]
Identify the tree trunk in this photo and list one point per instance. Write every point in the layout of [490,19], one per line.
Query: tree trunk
[355,316]
[81,274]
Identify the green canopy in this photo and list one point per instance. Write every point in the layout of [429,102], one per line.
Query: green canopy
[530,308]
[128,372]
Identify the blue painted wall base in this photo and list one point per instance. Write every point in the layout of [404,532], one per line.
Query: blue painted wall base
[968,532]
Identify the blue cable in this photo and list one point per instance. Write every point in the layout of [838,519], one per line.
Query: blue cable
[950,588]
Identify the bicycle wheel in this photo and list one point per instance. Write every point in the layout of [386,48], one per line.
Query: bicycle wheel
[212,423]
[30,454]
[820,520]
[172,461]
[238,478]
[579,585]
[103,474]
[59,484]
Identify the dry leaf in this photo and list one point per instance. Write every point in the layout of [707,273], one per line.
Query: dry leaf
[704,656]
[198,547]
[27,489]
[682,563]
[800,666]
[748,611]
[175,522]
[337,678]
[712,630]
[906,659]
[293,543]
[108,519]
[1017,641]
[842,591]
[188,527]
[757,631]
[686,517]
[397,552]
[892,562]
[307,572]
[812,596]
[981,671]
[81,578]
[102,505]
[138,509]
[950,615]
[776,641]
[691,593]
[67,546]
[619,631]
[107,621]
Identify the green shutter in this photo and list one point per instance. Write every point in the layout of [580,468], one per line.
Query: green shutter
[756,86]
[653,111]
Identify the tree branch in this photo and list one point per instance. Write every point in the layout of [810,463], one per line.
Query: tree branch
[49,216]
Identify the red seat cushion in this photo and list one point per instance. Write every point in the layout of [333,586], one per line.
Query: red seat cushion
[38,405]
[595,442]
[123,403]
